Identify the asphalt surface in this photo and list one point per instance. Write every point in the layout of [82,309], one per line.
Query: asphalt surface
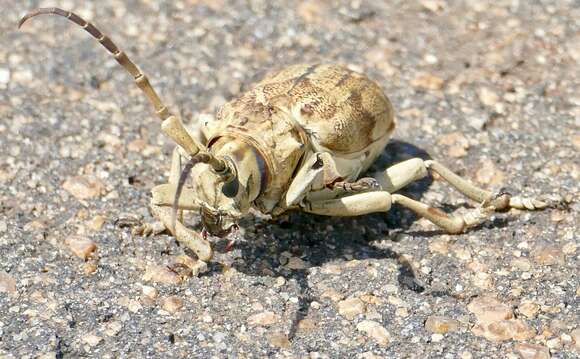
[489,88]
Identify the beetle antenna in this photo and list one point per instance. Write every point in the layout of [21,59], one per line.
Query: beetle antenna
[171,126]
[182,178]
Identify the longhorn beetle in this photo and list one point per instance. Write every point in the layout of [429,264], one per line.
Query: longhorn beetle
[299,139]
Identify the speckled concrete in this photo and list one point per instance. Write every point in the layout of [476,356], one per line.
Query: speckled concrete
[490,89]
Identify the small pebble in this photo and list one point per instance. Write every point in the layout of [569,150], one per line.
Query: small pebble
[428,82]
[49,355]
[532,351]
[296,263]
[575,334]
[488,174]
[529,309]
[548,255]
[172,304]
[569,248]
[431,59]
[576,141]
[92,339]
[96,223]
[332,294]
[437,337]
[375,331]
[7,283]
[439,246]
[279,340]
[351,307]
[161,274]
[263,319]
[371,299]
[306,324]
[503,330]
[441,325]
[369,355]
[84,187]
[402,312]
[4,75]
[81,247]
[522,264]
[113,328]
[434,5]
[332,269]
[488,309]
[554,343]
[149,292]
[488,97]
[90,267]
[133,305]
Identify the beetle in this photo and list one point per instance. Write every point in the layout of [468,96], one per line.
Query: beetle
[299,139]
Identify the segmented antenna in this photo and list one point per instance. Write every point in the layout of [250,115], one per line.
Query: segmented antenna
[140,79]
[180,184]
[171,126]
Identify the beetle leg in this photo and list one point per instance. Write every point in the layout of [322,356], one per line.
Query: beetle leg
[381,201]
[159,196]
[161,206]
[354,205]
[483,196]
[310,175]
[401,174]
[323,173]
[163,195]
[184,235]
[364,184]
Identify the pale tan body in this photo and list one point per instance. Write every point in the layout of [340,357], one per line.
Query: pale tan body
[300,139]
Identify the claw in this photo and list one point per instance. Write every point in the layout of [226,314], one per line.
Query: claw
[230,245]
[138,228]
[369,184]
[234,239]
[499,201]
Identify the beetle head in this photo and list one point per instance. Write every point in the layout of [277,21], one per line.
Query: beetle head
[220,196]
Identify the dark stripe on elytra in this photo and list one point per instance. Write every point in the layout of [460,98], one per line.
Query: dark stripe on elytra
[309,71]
[343,79]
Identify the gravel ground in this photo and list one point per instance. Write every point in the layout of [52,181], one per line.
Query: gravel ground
[491,89]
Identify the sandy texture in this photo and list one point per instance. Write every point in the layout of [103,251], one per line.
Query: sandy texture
[490,90]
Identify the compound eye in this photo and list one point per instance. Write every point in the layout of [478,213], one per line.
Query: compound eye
[230,189]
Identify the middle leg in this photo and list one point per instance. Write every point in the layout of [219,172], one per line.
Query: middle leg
[381,201]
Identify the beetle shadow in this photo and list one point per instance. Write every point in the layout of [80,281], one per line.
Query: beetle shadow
[321,239]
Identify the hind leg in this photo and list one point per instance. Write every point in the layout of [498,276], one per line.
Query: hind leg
[398,176]
[401,174]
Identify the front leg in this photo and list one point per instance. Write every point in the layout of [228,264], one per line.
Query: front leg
[159,195]
[161,208]
[190,238]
